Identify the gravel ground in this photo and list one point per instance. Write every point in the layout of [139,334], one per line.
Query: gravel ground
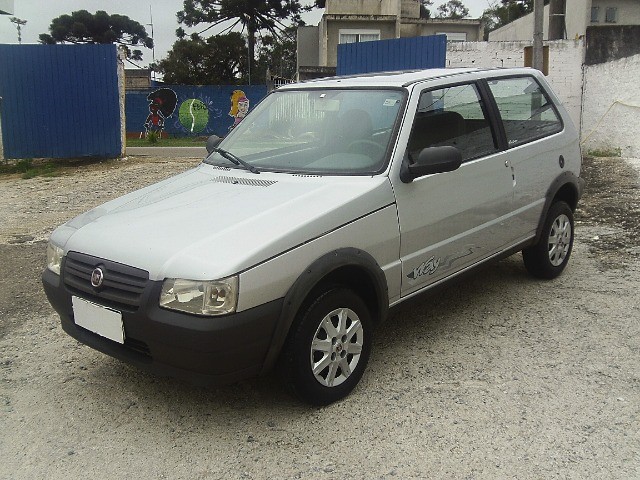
[499,376]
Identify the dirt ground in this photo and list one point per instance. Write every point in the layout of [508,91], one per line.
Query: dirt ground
[499,376]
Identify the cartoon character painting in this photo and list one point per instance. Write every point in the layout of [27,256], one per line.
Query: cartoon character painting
[162,103]
[239,107]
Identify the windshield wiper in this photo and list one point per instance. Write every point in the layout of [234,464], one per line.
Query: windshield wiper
[235,159]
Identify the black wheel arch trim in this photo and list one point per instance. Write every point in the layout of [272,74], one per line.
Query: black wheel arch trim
[311,277]
[577,184]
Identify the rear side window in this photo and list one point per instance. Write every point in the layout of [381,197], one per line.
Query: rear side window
[452,116]
[526,111]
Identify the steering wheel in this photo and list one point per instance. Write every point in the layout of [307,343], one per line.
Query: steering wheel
[366,147]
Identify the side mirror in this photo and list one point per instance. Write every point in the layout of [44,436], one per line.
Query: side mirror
[212,142]
[431,160]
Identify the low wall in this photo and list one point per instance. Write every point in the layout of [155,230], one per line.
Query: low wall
[565,64]
[611,107]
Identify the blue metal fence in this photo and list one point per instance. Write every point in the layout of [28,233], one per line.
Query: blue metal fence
[60,101]
[390,55]
[181,110]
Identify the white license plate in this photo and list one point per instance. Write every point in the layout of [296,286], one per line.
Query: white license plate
[98,319]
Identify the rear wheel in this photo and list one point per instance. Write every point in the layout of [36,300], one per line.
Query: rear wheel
[548,258]
[328,348]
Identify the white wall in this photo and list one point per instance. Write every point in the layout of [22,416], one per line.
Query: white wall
[611,107]
[6,7]
[565,65]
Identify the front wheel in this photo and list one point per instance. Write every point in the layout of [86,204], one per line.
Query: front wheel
[550,255]
[328,348]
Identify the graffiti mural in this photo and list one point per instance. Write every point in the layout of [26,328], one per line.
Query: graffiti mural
[162,104]
[239,107]
[194,115]
[196,111]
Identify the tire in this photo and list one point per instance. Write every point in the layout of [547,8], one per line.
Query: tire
[328,347]
[550,255]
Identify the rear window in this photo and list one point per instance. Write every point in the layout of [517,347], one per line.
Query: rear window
[527,112]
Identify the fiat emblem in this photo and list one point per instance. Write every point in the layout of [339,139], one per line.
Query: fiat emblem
[97,277]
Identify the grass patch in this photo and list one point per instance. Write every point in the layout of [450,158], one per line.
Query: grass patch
[167,142]
[605,152]
[30,169]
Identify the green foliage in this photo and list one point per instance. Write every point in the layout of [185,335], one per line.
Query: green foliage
[605,152]
[28,169]
[453,9]
[195,141]
[255,17]
[503,12]
[277,55]
[424,8]
[152,137]
[220,59]
[84,27]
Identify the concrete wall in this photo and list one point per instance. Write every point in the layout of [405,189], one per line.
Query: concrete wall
[307,51]
[520,29]
[565,65]
[433,26]
[370,7]
[6,7]
[578,17]
[410,9]
[612,42]
[611,106]
[628,11]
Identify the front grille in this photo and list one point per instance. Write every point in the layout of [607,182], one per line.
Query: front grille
[243,181]
[122,286]
[138,346]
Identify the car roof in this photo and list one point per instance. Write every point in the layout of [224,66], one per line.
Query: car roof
[400,78]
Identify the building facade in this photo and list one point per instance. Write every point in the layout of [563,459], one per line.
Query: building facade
[348,21]
[572,17]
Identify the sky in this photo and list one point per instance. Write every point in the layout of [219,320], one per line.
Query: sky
[39,13]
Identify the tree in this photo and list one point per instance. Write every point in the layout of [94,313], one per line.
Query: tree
[84,27]
[255,16]
[277,54]
[220,59]
[424,8]
[503,12]
[453,9]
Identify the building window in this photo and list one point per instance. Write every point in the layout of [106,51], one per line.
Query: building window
[357,36]
[595,13]
[611,15]
[454,36]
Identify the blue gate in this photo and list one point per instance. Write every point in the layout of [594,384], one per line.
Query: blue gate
[60,101]
[390,55]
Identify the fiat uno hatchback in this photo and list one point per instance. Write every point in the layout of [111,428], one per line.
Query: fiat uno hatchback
[331,202]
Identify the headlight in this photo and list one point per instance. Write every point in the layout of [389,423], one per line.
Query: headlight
[215,297]
[54,257]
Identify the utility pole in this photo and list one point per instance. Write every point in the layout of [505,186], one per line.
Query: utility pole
[538,25]
[153,49]
[19,23]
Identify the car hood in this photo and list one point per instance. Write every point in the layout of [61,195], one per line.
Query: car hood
[212,222]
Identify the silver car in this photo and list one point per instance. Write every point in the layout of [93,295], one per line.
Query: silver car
[331,202]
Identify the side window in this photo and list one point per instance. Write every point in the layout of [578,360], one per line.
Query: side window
[452,116]
[527,113]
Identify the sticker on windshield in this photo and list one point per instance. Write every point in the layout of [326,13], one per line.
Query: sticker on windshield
[390,102]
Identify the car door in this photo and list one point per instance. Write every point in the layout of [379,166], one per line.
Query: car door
[449,221]
[531,124]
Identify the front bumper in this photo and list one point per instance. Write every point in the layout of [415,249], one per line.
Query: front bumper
[200,350]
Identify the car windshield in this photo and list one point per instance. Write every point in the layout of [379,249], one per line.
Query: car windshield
[331,131]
